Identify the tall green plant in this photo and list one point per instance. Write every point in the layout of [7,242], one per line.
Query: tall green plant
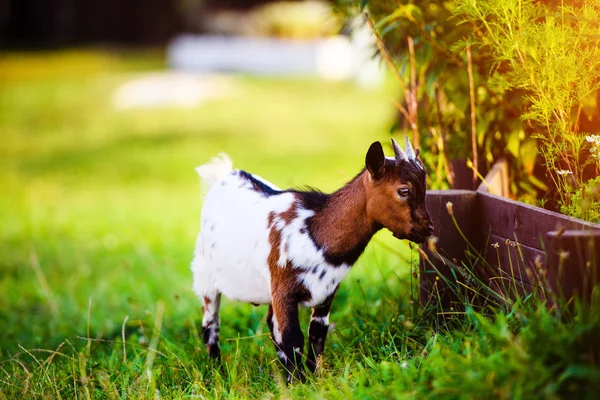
[443,89]
[552,54]
[536,77]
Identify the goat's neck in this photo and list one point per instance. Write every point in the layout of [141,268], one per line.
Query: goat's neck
[343,226]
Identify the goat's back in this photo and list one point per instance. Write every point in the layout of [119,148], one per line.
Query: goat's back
[233,244]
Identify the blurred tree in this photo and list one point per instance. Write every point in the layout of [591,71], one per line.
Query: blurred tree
[42,23]
[51,23]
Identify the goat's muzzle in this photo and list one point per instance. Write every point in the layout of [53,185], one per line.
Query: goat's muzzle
[420,235]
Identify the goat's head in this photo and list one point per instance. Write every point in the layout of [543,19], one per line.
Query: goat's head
[395,190]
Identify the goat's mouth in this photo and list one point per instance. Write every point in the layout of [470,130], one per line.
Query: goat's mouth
[419,237]
[400,236]
[414,236]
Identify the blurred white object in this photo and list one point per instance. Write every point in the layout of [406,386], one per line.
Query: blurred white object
[369,70]
[171,89]
[334,58]
[256,55]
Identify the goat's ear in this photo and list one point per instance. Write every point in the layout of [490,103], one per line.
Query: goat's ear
[375,161]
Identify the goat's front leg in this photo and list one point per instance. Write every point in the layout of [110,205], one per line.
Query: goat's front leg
[275,335]
[287,335]
[317,332]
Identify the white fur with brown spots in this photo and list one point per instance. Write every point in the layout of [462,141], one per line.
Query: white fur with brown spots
[263,245]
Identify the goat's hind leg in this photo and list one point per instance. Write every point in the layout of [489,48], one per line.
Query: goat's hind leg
[210,323]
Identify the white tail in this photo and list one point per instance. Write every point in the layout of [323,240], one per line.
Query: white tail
[214,170]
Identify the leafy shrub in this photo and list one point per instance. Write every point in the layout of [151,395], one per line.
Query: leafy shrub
[584,202]
[553,56]
[535,80]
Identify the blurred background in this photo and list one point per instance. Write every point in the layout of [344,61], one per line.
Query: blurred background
[107,107]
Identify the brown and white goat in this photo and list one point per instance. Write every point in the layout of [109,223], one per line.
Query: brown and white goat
[286,248]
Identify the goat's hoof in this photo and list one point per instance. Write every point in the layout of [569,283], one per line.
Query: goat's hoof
[312,365]
[297,376]
[214,352]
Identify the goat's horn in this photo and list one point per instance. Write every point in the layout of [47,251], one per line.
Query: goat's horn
[398,152]
[410,153]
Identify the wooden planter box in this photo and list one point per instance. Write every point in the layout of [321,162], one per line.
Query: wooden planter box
[519,242]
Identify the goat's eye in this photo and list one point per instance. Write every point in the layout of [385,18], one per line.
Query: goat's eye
[403,192]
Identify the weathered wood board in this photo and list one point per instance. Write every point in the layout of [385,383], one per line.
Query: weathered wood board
[518,241]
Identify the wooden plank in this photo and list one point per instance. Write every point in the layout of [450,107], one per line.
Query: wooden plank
[497,180]
[450,241]
[573,264]
[513,264]
[522,222]
[485,219]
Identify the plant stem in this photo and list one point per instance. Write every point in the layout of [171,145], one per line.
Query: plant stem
[384,53]
[412,100]
[448,167]
[388,60]
[473,121]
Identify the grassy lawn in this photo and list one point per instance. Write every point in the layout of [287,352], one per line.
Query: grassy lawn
[98,215]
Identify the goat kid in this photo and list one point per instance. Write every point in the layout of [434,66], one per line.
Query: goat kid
[263,245]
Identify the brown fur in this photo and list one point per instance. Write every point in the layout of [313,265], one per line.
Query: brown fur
[285,286]
[343,223]
[286,293]
[289,215]
[206,303]
[359,209]
[384,205]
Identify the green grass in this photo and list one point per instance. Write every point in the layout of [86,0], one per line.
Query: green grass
[99,211]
